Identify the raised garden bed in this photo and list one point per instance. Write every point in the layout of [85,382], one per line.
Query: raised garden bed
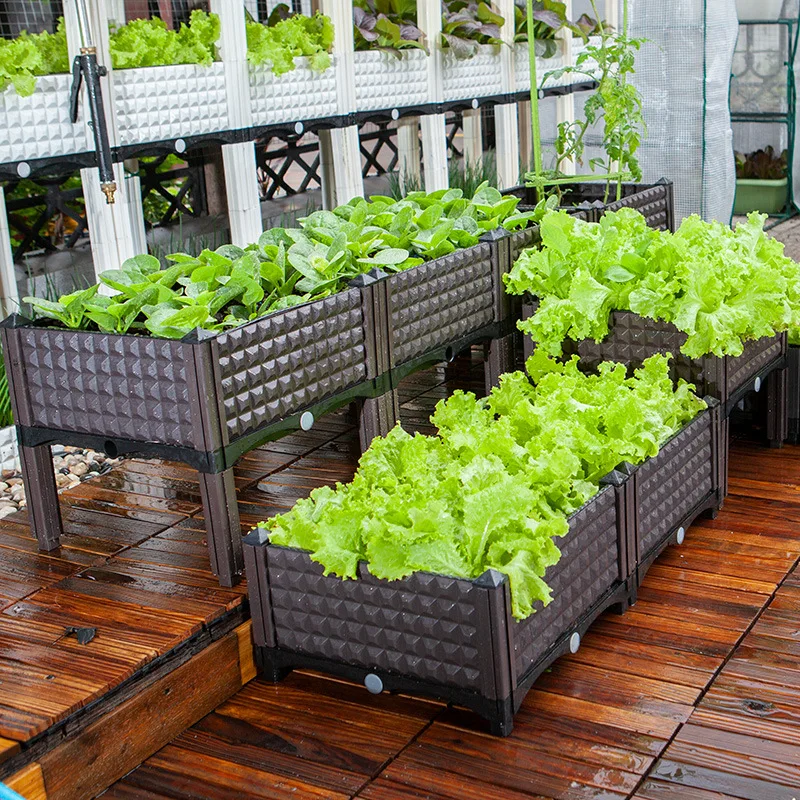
[204,400]
[455,639]
[383,81]
[430,634]
[39,126]
[471,78]
[295,96]
[158,103]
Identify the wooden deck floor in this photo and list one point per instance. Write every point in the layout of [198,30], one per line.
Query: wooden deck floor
[694,693]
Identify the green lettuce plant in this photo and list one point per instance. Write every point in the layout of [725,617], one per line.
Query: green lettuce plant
[496,486]
[287,36]
[32,54]
[150,43]
[231,285]
[721,287]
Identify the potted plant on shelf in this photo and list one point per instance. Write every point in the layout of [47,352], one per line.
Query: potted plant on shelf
[390,58]
[292,74]
[462,565]
[761,182]
[167,84]
[34,98]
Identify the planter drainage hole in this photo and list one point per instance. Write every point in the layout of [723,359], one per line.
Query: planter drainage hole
[373,683]
[110,448]
[449,355]
[681,534]
[306,421]
[757,385]
[574,642]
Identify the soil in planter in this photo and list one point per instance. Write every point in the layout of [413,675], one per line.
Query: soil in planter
[72,465]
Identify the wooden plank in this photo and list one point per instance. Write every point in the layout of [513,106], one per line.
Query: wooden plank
[29,783]
[247,665]
[108,748]
[8,748]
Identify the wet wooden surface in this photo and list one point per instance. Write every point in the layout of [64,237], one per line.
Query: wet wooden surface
[693,694]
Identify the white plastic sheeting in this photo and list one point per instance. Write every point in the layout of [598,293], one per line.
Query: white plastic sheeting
[760,83]
[682,73]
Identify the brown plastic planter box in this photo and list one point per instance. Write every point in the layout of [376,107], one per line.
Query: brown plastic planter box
[430,634]
[671,490]
[204,400]
[793,360]
[654,200]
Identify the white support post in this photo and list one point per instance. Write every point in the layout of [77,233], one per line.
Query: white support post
[116,231]
[434,133]
[9,291]
[241,186]
[505,116]
[408,152]
[473,136]
[340,154]
[612,13]
[565,103]
[239,160]
[525,135]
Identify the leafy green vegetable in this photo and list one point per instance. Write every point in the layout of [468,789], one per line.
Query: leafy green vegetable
[388,25]
[227,287]
[287,36]
[466,25]
[30,55]
[721,287]
[762,164]
[549,16]
[149,43]
[498,483]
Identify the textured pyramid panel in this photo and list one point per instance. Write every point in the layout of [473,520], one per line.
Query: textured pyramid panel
[468,78]
[652,203]
[383,81]
[290,360]
[670,485]
[157,103]
[543,66]
[436,303]
[425,626]
[520,240]
[38,126]
[294,96]
[587,569]
[757,354]
[133,387]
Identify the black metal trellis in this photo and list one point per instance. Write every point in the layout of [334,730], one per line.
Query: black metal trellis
[282,161]
[190,199]
[372,144]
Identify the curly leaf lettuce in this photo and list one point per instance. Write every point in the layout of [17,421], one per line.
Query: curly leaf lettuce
[496,486]
[721,287]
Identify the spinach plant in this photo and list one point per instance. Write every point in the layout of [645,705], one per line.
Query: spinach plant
[228,286]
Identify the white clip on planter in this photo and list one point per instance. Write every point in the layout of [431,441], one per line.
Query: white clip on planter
[180,145]
[681,535]
[23,169]
[373,683]
[757,385]
[574,642]
[299,127]
[306,421]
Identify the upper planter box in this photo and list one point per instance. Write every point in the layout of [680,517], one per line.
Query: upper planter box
[470,78]
[295,96]
[203,402]
[543,66]
[383,81]
[38,126]
[154,104]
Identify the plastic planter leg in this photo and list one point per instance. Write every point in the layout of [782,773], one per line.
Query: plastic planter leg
[499,360]
[377,416]
[778,407]
[223,529]
[42,495]
[501,722]
[268,665]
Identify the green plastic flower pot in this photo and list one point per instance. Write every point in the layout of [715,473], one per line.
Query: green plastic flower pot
[753,194]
